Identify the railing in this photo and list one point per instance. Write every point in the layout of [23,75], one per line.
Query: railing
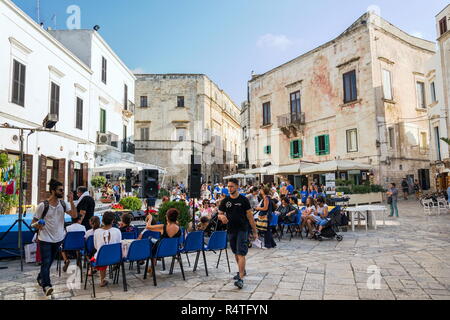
[128,147]
[290,119]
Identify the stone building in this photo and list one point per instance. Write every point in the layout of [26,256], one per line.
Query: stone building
[178,114]
[358,97]
[438,76]
[245,128]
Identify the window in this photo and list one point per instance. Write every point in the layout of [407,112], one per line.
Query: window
[443,25]
[295,106]
[180,102]
[387,87]
[54,99]
[145,133]
[267,149]
[322,145]
[352,140]
[125,97]
[18,91]
[420,88]
[144,102]
[266,113]
[124,142]
[102,121]
[350,92]
[391,138]
[181,134]
[296,149]
[104,69]
[423,140]
[79,114]
[433,92]
[438,143]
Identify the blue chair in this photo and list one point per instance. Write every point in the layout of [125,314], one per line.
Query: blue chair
[108,255]
[139,250]
[291,227]
[73,241]
[151,234]
[89,249]
[218,241]
[274,224]
[167,247]
[129,235]
[194,243]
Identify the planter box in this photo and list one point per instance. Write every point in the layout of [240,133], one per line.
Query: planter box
[356,199]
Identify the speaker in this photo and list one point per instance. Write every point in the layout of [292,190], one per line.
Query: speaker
[149,183]
[128,180]
[195,176]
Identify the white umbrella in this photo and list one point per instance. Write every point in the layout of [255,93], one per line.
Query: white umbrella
[336,165]
[123,165]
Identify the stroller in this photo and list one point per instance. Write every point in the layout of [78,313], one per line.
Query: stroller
[331,228]
[214,225]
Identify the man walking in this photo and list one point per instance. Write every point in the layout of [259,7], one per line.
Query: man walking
[51,234]
[392,195]
[235,211]
[85,206]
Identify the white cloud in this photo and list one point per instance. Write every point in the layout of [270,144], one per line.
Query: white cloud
[276,41]
[138,70]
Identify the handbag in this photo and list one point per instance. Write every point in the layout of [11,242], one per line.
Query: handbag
[262,223]
[389,200]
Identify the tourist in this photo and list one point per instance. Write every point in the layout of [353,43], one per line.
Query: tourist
[204,222]
[405,189]
[417,189]
[252,197]
[265,213]
[76,226]
[392,199]
[287,212]
[308,216]
[51,235]
[104,236]
[290,188]
[170,229]
[125,223]
[322,212]
[235,211]
[94,223]
[304,193]
[85,206]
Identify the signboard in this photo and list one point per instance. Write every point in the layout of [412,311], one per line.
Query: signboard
[330,183]
[354,172]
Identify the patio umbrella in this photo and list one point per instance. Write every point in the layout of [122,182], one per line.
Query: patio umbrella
[336,165]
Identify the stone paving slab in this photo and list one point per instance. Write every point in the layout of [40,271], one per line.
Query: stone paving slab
[411,254]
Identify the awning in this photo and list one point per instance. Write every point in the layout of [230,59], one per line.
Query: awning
[123,165]
[289,169]
[240,176]
[336,165]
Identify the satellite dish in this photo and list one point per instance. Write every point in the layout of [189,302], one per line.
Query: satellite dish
[15,138]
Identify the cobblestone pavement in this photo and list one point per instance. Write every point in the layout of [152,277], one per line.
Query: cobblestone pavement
[411,252]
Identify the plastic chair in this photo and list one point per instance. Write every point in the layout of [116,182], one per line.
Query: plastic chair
[274,224]
[292,226]
[139,250]
[89,249]
[108,255]
[194,243]
[168,247]
[129,235]
[151,234]
[218,241]
[73,241]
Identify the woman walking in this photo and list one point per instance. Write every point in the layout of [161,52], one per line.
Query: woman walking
[392,195]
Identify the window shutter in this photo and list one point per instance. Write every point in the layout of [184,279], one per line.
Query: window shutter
[292,149]
[300,148]
[327,144]
[269,149]
[316,141]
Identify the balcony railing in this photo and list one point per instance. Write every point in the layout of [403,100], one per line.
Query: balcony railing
[288,119]
[128,147]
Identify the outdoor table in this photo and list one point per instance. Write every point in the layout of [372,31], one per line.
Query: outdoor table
[368,211]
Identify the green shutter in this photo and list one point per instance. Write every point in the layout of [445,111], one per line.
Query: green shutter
[327,144]
[292,150]
[316,141]
[269,149]
[300,148]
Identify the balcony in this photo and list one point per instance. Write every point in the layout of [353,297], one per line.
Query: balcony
[128,109]
[290,123]
[128,147]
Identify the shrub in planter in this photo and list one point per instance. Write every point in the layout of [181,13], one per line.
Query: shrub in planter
[131,203]
[98,181]
[361,189]
[184,218]
[345,190]
[376,188]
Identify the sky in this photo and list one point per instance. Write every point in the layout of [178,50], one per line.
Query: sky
[227,39]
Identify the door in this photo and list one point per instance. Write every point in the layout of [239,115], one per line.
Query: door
[424,178]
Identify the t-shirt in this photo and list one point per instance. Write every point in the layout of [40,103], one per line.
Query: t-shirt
[304,196]
[76,227]
[53,230]
[236,211]
[86,204]
[89,233]
[290,188]
[320,209]
[102,237]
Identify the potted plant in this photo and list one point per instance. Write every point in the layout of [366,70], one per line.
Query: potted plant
[97,183]
[184,218]
[131,203]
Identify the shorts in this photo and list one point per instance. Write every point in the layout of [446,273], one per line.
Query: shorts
[322,222]
[238,242]
[99,268]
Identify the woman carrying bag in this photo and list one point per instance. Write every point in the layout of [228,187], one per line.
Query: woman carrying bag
[264,217]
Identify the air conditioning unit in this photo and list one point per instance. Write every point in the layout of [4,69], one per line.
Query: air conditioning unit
[104,138]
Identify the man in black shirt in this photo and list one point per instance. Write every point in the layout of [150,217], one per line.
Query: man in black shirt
[85,206]
[236,212]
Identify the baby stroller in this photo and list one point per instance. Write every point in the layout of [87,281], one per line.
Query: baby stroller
[214,225]
[331,228]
